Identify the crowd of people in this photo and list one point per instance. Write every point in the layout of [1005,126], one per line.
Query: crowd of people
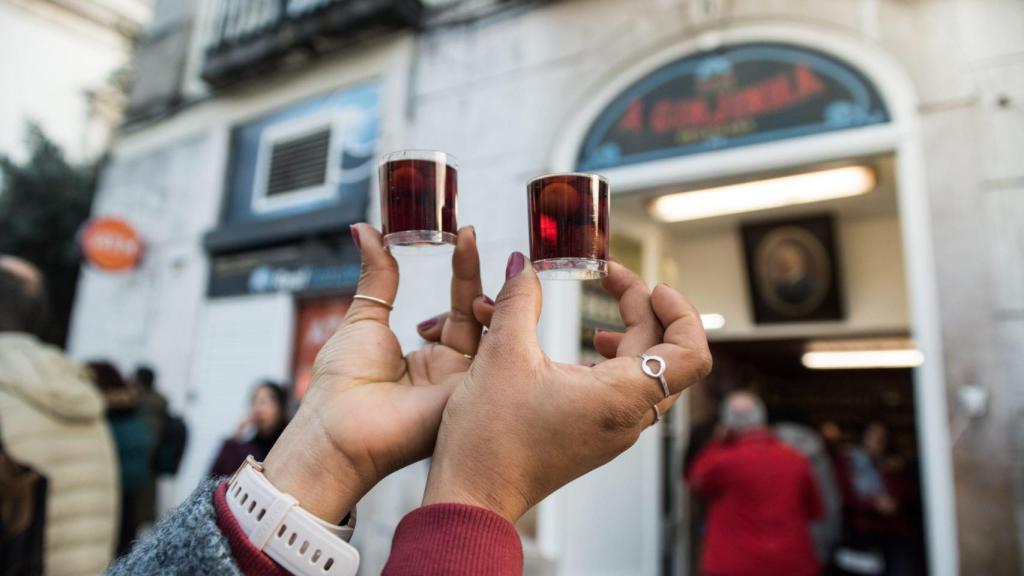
[82,446]
[790,500]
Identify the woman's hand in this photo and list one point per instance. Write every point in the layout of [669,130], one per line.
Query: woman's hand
[368,410]
[519,426]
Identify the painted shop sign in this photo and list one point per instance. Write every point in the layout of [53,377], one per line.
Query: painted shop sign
[326,266]
[111,244]
[735,96]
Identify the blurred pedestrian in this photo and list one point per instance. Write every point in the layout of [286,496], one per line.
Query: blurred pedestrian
[135,444]
[877,494]
[257,432]
[153,411]
[761,496]
[827,530]
[22,518]
[53,422]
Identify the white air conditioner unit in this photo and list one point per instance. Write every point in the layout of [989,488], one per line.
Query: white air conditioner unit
[297,163]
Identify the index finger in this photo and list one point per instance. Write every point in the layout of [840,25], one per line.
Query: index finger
[378,277]
[642,327]
[684,352]
[461,330]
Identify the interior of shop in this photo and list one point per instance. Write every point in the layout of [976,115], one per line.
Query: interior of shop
[804,301]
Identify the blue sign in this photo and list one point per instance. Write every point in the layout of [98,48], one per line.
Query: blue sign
[338,130]
[735,96]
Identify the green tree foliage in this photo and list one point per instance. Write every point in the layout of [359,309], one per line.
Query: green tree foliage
[43,202]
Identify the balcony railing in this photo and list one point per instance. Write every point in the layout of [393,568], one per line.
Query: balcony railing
[244,37]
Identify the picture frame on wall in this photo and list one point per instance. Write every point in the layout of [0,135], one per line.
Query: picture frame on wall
[793,270]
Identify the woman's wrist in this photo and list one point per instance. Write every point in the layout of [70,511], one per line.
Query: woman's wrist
[305,465]
[451,488]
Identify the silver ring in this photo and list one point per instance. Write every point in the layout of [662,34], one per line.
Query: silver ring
[658,374]
[657,415]
[374,299]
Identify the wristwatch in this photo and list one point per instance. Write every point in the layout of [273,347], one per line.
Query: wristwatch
[276,524]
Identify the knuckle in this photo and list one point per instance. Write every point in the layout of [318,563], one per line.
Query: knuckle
[514,293]
[704,362]
[460,316]
[622,413]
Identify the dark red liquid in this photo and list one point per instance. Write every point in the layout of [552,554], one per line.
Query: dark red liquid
[568,217]
[418,195]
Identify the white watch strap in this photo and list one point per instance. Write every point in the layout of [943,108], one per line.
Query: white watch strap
[291,536]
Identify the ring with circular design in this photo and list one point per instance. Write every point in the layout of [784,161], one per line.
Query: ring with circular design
[658,374]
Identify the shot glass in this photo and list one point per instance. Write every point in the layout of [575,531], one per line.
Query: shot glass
[418,190]
[569,226]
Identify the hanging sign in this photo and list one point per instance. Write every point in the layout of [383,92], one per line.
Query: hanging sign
[735,96]
[111,244]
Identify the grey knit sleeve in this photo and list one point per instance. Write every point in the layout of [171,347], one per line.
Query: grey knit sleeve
[187,541]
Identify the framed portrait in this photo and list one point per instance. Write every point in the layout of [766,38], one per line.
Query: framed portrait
[792,270]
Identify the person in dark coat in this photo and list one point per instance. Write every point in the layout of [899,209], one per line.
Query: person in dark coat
[257,432]
[878,493]
[135,444]
[762,498]
[153,410]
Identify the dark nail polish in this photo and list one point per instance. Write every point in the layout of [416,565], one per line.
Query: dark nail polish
[487,299]
[516,263]
[427,324]
[355,236]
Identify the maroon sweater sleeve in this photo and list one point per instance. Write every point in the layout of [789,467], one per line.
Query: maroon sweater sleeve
[454,540]
[251,561]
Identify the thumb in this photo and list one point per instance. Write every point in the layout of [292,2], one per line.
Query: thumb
[517,307]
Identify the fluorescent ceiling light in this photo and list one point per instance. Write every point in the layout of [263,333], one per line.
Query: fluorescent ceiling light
[862,354]
[764,194]
[712,321]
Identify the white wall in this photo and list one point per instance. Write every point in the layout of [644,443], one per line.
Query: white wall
[710,269]
[45,69]
[150,315]
[241,341]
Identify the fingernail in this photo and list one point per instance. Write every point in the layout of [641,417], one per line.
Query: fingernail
[427,324]
[487,299]
[516,262]
[355,236]
[473,230]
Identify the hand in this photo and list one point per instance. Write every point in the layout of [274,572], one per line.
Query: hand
[244,426]
[519,426]
[885,505]
[368,410]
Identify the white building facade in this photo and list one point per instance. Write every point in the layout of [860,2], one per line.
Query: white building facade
[234,272]
[61,62]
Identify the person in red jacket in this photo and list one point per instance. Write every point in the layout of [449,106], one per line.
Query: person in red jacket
[761,497]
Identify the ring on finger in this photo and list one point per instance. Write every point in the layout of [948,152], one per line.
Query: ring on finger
[657,415]
[468,357]
[658,374]
[380,301]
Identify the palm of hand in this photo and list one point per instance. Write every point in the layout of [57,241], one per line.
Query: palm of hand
[381,410]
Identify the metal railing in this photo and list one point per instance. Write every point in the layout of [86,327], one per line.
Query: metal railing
[235,21]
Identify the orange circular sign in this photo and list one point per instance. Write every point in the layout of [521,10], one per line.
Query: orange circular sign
[111,244]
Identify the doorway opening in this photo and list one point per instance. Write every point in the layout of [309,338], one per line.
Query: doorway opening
[772,285]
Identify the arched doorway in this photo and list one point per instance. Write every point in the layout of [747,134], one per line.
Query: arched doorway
[887,144]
